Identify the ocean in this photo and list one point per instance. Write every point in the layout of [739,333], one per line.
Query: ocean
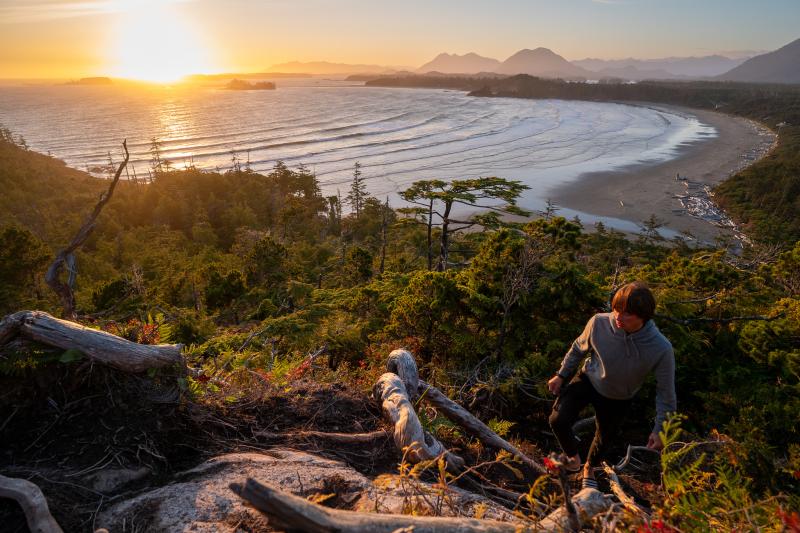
[397,135]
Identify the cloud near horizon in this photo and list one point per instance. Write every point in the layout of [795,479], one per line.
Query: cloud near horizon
[23,11]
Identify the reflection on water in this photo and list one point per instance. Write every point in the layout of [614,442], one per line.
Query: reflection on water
[398,135]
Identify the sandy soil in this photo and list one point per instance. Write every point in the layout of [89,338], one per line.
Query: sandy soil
[639,191]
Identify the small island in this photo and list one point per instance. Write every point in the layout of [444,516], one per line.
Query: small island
[97,80]
[241,85]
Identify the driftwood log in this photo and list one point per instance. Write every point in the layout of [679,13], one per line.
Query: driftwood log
[294,514]
[97,345]
[66,257]
[33,503]
[402,363]
[472,425]
[419,445]
[371,438]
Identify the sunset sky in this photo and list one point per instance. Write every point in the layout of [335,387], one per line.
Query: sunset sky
[164,39]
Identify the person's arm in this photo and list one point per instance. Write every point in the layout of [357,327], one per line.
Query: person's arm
[666,401]
[577,352]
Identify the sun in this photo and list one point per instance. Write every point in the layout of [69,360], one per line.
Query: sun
[153,42]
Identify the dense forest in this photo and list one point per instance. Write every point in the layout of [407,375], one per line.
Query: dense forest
[764,198]
[252,273]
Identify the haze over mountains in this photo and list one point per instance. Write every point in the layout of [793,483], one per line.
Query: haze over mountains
[545,63]
[780,66]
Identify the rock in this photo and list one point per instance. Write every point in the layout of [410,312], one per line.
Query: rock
[200,500]
[110,481]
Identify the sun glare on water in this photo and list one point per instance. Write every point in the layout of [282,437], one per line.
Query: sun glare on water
[153,42]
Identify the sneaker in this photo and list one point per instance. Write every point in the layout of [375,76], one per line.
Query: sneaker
[589,483]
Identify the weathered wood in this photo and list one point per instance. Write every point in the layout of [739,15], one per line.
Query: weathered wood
[33,504]
[99,346]
[294,514]
[402,363]
[408,432]
[342,438]
[471,424]
[66,257]
[588,503]
[619,492]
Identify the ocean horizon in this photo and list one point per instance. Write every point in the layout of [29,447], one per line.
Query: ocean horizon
[397,135]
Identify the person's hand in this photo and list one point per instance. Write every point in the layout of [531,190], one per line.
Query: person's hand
[654,442]
[554,385]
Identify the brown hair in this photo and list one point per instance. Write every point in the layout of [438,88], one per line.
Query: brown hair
[635,298]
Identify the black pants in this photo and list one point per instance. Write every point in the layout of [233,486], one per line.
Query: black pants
[608,415]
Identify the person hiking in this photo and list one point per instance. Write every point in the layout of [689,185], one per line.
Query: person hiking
[623,347]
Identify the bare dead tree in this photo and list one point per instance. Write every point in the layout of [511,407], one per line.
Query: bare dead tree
[517,280]
[66,257]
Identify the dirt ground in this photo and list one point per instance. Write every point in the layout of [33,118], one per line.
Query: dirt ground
[62,424]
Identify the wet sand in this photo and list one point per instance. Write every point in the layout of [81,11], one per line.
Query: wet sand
[639,191]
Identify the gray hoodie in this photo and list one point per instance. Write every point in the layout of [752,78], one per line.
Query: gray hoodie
[619,362]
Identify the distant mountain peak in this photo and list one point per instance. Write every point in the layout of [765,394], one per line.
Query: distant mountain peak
[780,66]
[469,63]
[541,62]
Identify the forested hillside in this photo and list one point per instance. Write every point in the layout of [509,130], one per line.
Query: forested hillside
[254,272]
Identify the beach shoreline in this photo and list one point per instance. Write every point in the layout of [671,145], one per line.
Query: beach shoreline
[685,204]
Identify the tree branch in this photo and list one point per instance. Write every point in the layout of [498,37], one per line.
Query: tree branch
[66,257]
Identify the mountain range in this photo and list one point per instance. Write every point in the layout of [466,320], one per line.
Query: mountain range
[780,66]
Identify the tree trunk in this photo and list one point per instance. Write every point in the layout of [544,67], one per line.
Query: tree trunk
[442,266]
[417,444]
[430,235]
[97,345]
[66,257]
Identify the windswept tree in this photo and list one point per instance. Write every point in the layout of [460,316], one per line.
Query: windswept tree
[358,191]
[436,200]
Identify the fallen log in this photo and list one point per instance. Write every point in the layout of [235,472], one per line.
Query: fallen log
[472,425]
[33,503]
[294,514]
[402,363]
[408,432]
[339,438]
[97,345]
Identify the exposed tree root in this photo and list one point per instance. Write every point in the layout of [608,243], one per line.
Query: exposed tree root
[33,503]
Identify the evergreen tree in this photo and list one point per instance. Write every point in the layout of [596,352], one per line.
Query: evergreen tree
[358,191]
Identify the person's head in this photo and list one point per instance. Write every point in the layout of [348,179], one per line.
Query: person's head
[633,305]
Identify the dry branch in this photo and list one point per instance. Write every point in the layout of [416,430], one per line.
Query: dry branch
[472,425]
[66,257]
[97,345]
[408,431]
[340,438]
[294,514]
[33,504]
[619,492]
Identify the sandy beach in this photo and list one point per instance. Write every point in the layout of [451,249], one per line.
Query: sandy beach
[639,191]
